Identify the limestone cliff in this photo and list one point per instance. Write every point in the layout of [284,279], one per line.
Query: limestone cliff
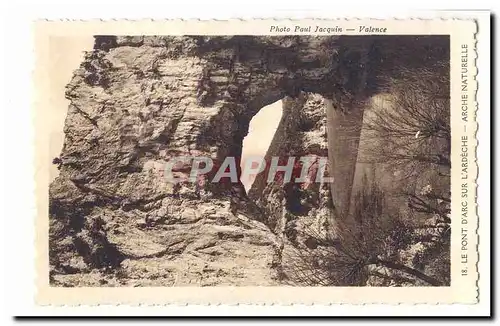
[139,101]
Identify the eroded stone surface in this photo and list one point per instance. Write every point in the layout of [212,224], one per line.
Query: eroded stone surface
[137,102]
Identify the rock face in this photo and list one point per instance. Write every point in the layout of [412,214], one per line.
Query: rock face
[137,102]
[294,206]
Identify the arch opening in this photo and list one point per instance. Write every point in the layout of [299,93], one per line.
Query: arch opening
[261,131]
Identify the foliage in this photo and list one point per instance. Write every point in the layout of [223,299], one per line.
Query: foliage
[373,249]
[411,131]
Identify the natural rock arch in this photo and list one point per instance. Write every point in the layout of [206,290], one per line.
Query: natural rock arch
[138,101]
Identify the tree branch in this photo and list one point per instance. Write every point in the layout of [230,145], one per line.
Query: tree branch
[410,271]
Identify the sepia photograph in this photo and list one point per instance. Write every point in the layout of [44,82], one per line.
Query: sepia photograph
[244,160]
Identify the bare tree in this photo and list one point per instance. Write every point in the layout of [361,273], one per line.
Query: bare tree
[357,251]
[377,244]
[411,131]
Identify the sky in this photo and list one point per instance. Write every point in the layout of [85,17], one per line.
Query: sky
[260,134]
[66,54]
